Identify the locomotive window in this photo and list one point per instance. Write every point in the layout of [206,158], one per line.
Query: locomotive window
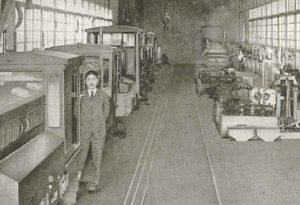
[54,101]
[128,40]
[105,81]
[15,87]
[123,63]
[114,39]
[82,82]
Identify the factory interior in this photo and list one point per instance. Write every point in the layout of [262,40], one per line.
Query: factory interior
[149,102]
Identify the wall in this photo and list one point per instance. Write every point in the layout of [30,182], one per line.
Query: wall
[182,41]
[131,12]
[47,23]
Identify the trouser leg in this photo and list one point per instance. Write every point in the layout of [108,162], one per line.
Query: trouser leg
[83,154]
[97,150]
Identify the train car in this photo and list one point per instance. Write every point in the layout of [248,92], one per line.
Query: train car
[39,124]
[151,57]
[132,40]
[107,61]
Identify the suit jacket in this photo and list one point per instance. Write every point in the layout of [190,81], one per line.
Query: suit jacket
[94,112]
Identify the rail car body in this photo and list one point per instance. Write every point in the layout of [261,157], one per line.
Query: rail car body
[106,60]
[39,124]
[152,56]
[133,41]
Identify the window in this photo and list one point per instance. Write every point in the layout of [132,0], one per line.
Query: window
[264,31]
[282,30]
[297,4]
[114,39]
[47,3]
[274,8]
[70,29]
[60,28]
[291,5]
[259,31]
[60,4]
[281,6]
[33,29]
[291,31]
[20,34]
[54,101]
[269,32]
[128,40]
[269,9]
[79,32]
[251,34]
[48,28]
[58,22]
[105,73]
[275,32]
[298,31]
[254,32]
[70,5]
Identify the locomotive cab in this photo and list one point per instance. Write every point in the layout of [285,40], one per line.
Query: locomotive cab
[132,41]
[106,60]
[39,130]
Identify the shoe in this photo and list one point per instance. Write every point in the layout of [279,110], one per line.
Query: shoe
[92,189]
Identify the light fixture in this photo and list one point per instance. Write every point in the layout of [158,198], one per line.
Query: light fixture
[222,4]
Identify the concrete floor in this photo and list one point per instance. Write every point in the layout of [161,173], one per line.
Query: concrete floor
[174,155]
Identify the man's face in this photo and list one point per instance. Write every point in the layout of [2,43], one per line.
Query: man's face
[91,81]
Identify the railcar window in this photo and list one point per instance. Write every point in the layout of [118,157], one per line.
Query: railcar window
[123,63]
[54,101]
[114,39]
[105,83]
[128,39]
[82,82]
[15,87]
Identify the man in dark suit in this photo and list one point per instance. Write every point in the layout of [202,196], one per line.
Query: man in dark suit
[94,112]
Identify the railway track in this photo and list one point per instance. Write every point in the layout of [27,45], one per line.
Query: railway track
[138,186]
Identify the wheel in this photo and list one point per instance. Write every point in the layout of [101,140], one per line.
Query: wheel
[121,129]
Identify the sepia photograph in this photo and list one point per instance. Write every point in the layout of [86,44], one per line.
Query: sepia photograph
[149,102]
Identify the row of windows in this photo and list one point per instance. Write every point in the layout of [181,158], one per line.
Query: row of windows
[99,8]
[282,31]
[44,26]
[274,8]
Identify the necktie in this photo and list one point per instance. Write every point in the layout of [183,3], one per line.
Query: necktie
[92,94]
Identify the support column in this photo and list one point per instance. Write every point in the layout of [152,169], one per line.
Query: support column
[11,31]
[295,102]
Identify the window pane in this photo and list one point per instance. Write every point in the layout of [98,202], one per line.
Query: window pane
[105,73]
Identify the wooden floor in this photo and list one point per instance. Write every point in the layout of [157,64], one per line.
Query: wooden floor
[175,156]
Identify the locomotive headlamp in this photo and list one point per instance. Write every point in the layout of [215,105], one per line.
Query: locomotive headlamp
[266,96]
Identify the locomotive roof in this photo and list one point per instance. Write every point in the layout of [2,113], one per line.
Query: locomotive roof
[84,49]
[39,57]
[115,29]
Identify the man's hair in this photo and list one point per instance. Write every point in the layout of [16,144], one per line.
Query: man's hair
[91,72]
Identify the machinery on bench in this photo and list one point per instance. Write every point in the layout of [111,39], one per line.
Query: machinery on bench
[241,110]
[287,87]
[253,118]
[272,110]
